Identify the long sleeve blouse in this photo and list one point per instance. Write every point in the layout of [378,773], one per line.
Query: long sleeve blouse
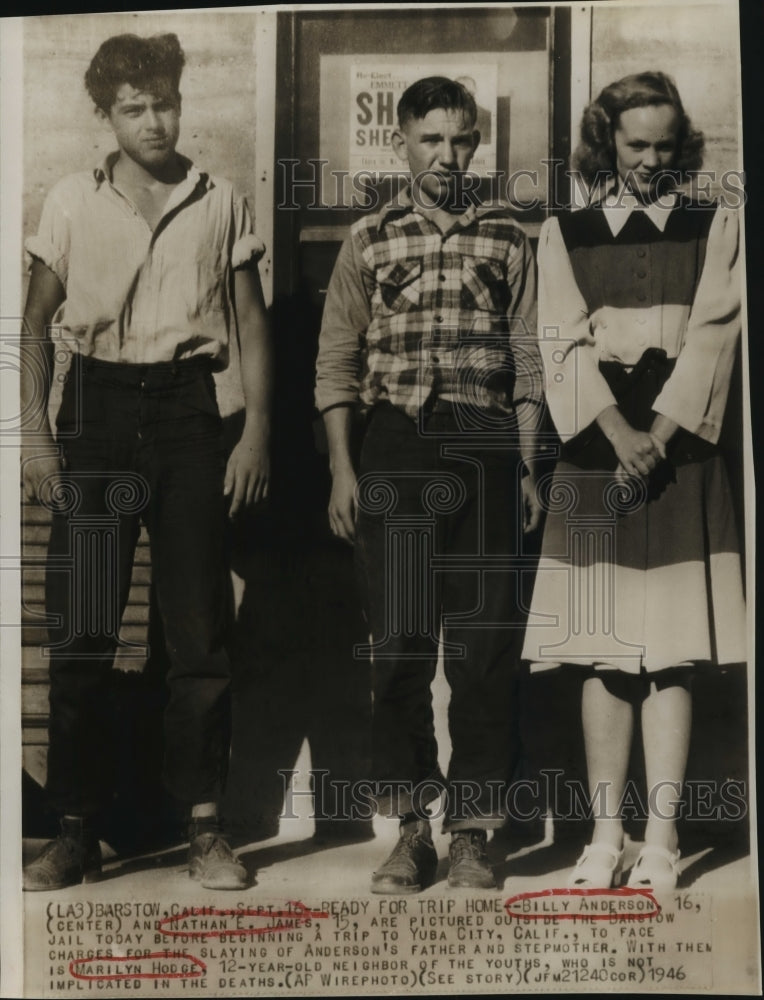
[701,333]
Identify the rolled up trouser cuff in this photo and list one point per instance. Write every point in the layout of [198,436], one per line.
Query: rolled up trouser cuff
[477,823]
[402,798]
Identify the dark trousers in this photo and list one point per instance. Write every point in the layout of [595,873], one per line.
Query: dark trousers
[141,442]
[439,540]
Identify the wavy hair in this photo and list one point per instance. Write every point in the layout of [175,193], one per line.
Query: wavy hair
[140,62]
[595,156]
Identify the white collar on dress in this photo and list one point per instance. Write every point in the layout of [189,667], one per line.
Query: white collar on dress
[619,204]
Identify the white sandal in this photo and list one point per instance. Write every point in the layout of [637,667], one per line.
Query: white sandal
[655,868]
[599,867]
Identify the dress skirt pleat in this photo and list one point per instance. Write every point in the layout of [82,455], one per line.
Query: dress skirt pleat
[633,583]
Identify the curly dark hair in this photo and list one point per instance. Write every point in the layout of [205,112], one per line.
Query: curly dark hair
[137,61]
[595,156]
[435,92]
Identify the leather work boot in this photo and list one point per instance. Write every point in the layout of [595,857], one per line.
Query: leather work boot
[73,857]
[412,862]
[468,864]
[211,860]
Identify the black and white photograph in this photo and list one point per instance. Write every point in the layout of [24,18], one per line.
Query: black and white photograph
[377,534]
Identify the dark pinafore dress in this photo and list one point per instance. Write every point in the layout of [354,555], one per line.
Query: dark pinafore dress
[642,575]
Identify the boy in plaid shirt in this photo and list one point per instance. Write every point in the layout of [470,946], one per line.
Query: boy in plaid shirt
[429,324]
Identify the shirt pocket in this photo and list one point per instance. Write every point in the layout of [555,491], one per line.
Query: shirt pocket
[400,285]
[484,285]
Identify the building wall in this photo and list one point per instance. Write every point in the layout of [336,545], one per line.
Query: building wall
[698,47]
[298,602]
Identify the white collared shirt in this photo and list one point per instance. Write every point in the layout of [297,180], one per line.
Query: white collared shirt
[140,296]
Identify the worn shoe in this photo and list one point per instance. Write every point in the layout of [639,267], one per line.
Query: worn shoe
[73,857]
[468,863]
[412,862]
[211,861]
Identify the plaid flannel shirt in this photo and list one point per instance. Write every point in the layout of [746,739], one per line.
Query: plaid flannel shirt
[413,313]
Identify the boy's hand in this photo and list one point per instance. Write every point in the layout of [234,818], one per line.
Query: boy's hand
[40,471]
[342,505]
[248,471]
[531,504]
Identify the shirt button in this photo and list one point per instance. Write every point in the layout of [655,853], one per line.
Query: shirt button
[435,359]
[441,277]
[641,320]
[641,251]
[641,296]
[641,274]
[438,319]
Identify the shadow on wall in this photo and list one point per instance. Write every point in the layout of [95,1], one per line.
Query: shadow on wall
[717,783]
[295,676]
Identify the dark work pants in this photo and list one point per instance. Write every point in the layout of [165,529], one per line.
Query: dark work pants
[439,536]
[141,442]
